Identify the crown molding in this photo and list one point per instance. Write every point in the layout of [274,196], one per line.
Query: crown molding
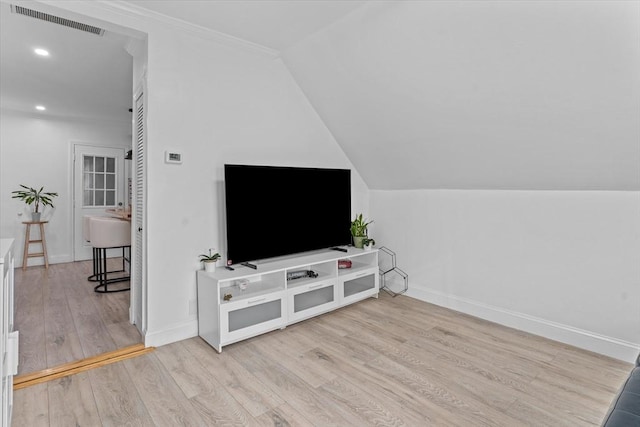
[129,10]
[125,8]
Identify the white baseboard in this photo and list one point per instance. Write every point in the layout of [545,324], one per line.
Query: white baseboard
[54,259]
[59,259]
[175,333]
[587,340]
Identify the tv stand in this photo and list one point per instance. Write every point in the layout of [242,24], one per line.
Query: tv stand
[240,304]
[248,264]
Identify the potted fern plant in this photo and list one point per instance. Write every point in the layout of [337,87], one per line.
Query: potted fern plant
[31,196]
[359,230]
[209,260]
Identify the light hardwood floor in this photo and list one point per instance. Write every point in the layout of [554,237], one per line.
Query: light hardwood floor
[387,361]
[61,319]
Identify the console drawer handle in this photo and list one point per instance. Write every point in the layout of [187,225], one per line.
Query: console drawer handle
[315,286]
[256,300]
[362,274]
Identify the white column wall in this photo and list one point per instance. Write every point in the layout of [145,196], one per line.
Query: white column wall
[562,264]
[216,104]
[237,109]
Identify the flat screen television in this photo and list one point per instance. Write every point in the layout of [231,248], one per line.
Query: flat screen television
[275,211]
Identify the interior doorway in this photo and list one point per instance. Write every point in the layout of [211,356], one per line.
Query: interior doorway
[60,334]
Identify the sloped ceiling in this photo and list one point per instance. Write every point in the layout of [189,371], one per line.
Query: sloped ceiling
[420,94]
[275,24]
[481,95]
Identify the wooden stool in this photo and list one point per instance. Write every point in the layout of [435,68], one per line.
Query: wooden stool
[28,242]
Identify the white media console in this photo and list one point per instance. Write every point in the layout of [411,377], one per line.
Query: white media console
[227,313]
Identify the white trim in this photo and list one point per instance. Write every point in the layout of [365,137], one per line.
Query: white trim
[135,47]
[83,11]
[179,332]
[609,346]
[39,261]
[137,12]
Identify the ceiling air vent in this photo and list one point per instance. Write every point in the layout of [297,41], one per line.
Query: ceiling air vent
[56,20]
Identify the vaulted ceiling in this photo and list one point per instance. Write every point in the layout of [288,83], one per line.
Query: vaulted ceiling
[443,94]
[481,95]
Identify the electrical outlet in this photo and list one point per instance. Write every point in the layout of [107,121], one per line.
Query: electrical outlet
[193,307]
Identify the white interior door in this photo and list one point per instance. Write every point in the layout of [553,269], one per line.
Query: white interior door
[98,186]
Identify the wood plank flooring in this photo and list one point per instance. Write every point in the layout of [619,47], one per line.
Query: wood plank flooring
[387,361]
[61,319]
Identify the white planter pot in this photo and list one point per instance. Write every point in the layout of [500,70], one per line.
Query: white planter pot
[368,247]
[210,266]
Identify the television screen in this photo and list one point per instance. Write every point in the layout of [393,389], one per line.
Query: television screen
[274,211]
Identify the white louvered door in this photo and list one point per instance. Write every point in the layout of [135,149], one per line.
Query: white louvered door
[138,286]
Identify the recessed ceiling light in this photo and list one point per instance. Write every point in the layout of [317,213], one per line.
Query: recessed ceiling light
[41,52]
[40,107]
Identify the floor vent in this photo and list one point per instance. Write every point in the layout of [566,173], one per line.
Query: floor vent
[56,20]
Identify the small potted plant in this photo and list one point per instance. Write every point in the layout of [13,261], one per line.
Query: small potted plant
[368,243]
[359,230]
[209,261]
[31,196]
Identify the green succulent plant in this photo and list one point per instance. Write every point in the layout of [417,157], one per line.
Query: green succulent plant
[359,226]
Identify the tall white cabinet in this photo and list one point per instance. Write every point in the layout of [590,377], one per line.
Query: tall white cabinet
[8,337]
[239,304]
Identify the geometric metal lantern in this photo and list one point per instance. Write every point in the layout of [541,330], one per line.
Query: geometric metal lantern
[395,281]
[392,279]
[386,259]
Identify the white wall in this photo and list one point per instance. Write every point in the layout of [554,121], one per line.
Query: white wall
[238,109]
[36,151]
[216,104]
[561,264]
[531,95]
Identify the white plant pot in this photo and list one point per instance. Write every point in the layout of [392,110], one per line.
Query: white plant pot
[210,267]
[368,247]
[35,216]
